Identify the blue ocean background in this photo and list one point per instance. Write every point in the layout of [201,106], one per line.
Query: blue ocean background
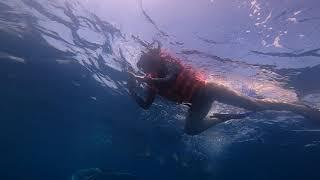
[65,110]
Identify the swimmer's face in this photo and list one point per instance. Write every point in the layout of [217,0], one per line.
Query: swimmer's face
[148,64]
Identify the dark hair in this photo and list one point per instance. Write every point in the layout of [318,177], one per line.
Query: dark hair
[152,55]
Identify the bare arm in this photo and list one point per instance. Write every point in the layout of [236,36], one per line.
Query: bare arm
[144,103]
[170,76]
[132,84]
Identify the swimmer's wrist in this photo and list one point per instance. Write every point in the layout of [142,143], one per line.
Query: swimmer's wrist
[147,79]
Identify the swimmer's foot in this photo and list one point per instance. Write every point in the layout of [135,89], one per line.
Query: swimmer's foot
[226,117]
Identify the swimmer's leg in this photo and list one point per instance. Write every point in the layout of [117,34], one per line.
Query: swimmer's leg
[197,121]
[301,109]
[227,96]
[227,117]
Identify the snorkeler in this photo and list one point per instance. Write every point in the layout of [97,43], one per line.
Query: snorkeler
[166,76]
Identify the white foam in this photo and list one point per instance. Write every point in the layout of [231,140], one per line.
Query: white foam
[91,35]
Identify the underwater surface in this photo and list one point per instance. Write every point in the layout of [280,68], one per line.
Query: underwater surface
[66,114]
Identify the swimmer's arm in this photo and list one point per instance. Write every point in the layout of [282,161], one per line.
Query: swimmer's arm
[172,74]
[144,103]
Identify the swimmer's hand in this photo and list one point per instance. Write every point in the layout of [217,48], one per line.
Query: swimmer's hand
[132,81]
[137,77]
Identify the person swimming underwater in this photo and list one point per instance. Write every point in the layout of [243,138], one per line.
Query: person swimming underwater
[166,76]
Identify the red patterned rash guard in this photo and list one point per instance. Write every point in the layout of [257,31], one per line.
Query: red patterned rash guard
[187,82]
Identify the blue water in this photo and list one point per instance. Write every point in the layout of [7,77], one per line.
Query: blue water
[65,112]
